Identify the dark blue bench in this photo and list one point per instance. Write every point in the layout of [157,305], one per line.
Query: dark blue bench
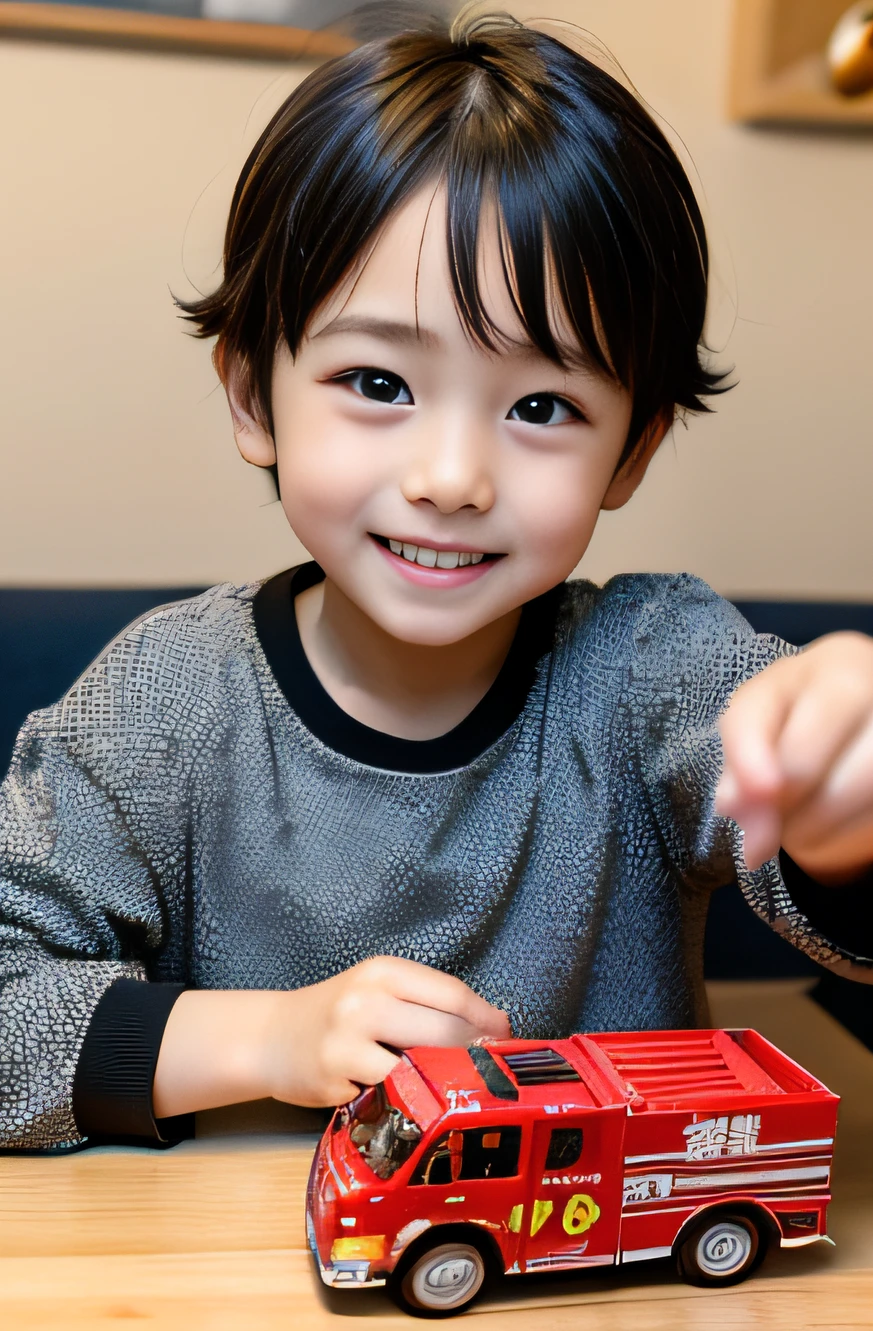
[48,637]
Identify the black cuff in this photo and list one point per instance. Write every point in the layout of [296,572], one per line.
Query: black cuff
[112,1087]
[842,915]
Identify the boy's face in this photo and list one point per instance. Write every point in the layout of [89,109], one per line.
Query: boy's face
[440,486]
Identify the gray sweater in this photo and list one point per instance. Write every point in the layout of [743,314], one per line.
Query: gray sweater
[175,821]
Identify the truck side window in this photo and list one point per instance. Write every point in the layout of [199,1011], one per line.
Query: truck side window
[486,1153]
[565,1147]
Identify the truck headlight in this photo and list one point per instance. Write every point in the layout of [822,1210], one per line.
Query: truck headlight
[358,1248]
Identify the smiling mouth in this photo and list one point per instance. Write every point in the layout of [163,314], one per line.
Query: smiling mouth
[426,557]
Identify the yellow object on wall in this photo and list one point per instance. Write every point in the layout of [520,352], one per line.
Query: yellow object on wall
[850,52]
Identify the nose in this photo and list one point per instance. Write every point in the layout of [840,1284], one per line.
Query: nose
[452,468]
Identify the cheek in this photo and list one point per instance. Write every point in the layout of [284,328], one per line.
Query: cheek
[323,478]
[317,504]
[557,507]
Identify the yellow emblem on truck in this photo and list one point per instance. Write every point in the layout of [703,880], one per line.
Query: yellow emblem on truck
[539,1215]
[580,1213]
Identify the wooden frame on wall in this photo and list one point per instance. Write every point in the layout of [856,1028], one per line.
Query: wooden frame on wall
[135,28]
[778,68]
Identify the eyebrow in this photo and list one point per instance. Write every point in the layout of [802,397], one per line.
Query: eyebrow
[406,334]
[388,330]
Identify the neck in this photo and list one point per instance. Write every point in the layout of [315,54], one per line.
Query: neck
[401,688]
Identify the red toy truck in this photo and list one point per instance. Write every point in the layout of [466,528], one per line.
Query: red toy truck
[532,1155]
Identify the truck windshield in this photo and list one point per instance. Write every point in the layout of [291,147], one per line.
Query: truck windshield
[381,1132]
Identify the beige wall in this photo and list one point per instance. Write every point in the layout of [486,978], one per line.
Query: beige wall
[117,466]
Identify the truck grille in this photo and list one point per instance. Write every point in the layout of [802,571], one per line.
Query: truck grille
[539,1067]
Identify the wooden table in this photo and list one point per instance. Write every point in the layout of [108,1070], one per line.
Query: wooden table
[210,1234]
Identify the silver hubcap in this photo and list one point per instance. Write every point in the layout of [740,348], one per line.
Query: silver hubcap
[448,1279]
[722,1250]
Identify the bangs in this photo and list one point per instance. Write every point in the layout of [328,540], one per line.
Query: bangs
[601,241]
[548,289]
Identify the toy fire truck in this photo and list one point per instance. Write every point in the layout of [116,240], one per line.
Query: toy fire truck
[515,1156]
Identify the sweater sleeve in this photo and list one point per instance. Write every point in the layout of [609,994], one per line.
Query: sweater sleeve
[691,650]
[112,1086]
[93,865]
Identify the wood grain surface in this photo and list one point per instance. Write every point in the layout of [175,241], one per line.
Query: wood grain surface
[210,1234]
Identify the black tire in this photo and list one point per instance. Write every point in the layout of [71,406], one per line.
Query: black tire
[721,1248]
[440,1281]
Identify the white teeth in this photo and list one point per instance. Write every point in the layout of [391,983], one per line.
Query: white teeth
[428,558]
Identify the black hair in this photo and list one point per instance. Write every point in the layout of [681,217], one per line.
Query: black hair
[595,209]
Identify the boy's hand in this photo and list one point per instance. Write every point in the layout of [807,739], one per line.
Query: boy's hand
[798,759]
[324,1042]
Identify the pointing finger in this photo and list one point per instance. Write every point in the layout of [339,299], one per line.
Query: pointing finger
[762,834]
[750,731]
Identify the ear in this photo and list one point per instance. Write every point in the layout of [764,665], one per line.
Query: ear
[625,481]
[254,441]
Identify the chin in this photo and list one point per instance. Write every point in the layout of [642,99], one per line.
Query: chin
[429,635]
[426,629]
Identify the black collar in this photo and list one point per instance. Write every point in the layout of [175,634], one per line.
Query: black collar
[276,626]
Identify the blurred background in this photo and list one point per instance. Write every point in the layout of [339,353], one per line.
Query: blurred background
[117,466]
[120,485]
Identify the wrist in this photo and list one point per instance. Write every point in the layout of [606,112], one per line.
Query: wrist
[262,1057]
[830,874]
[213,1051]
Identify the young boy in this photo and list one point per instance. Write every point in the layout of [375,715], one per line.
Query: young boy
[423,789]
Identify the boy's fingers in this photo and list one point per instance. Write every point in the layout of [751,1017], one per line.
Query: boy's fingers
[798,749]
[750,732]
[365,1063]
[762,834]
[785,730]
[819,734]
[751,781]
[401,1025]
[430,988]
[847,851]
[835,824]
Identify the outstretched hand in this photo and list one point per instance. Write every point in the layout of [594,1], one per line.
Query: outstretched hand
[798,759]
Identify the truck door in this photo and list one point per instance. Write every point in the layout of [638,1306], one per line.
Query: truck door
[473,1175]
[574,1196]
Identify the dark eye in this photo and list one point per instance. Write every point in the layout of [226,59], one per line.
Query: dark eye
[543,409]
[378,386]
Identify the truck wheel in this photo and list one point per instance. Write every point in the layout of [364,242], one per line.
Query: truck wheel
[440,1281]
[721,1249]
